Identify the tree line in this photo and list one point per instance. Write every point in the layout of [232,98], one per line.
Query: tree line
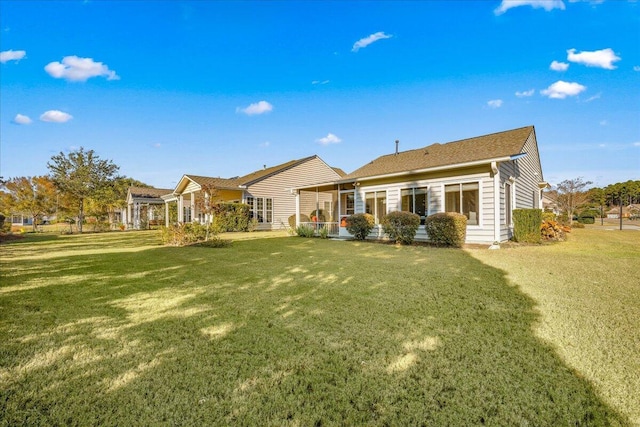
[79,184]
[574,196]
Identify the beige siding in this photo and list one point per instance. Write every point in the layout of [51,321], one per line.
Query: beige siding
[278,187]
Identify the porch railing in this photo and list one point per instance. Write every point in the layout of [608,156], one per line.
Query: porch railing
[332,227]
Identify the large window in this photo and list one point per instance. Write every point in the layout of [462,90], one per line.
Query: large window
[261,209]
[414,200]
[376,204]
[463,198]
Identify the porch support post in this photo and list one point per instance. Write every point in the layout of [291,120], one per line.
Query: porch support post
[297,208]
[180,209]
[192,206]
[166,213]
[128,220]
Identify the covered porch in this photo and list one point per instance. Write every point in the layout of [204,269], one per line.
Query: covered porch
[326,206]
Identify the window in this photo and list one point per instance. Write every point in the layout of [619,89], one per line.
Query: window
[376,204]
[268,212]
[260,209]
[463,198]
[347,203]
[186,214]
[414,200]
[507,204]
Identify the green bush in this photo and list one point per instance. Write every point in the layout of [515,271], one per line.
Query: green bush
[231,217]
[401,226]
[549,216]
[305,231]
[323,232]
[582,219]
[184,234]
[526,225]
[360,225]
[447,229]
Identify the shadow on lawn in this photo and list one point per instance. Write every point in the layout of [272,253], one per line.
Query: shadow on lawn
[276,332]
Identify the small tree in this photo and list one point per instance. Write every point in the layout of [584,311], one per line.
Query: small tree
[571,195]
[206,203]
[81,174]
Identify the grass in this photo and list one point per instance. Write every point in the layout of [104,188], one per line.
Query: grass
[114,329]
[587,291]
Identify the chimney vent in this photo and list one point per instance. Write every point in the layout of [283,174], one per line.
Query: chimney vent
[397,143]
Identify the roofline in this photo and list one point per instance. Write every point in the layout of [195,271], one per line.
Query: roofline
[417,171]
[283,168]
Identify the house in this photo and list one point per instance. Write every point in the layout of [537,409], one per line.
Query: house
[484,178]
[631,211]
[145,207]
[268,191]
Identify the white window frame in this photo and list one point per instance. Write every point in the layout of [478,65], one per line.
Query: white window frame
[460,183]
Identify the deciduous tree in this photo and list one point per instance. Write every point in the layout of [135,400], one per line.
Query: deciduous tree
[35,196]
[82,175]
[571,194]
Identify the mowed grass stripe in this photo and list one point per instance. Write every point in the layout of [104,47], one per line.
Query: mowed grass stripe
[280,331]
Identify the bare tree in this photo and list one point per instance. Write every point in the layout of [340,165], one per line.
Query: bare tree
[572,195]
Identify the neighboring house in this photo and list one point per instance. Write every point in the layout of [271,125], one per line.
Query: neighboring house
[145,207]
[631,211]
[484,178]
[549,204]
[268,191]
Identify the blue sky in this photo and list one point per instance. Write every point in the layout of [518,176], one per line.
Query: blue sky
[222,88]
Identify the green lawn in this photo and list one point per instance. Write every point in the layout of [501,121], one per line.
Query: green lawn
[113,329]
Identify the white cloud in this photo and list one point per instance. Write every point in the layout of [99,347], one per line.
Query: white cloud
[636,68]
[73,68]
[256,108]
[525,93]
[320,82]
[20,119]
[603,58]
[636,144]
[265,144]
[594,97]
[536,4]
[559,66]
[329,139]
[364,42]
[495,103]
[604,123]
[55,116]
[560,90]
[12,55]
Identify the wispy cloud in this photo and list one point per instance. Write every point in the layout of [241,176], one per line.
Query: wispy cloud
[525,93]
[12,55]
[561,89]
[76,69]
[536,4]
[603,58]
[559,66]
[260,107]
[495,103]
[366,41]
[265,144]
[329,139]
[593,98]
[55,116]
[320,82]
[20,119]
[636,144]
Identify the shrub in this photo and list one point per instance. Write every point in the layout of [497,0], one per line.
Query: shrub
[549,216]
[183,234]
[305,231]
[360,225]
[231,217]
[582,219]
[552,230]
[323,232]
[292,221]
[526,225]
[447,229]
[401,226]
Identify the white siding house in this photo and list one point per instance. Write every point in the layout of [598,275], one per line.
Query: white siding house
[484,178]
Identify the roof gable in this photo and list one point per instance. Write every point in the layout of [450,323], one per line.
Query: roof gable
[148,192]
[261,174]
[481,148]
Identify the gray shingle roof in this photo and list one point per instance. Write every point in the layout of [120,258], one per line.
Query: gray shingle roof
[486,147]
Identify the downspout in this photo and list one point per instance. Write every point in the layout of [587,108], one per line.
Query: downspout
[496,205]
[297,208]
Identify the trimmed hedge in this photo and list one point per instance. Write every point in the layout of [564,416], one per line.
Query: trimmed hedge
[447,229]
[401,226]
[526,225]
[360,225]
